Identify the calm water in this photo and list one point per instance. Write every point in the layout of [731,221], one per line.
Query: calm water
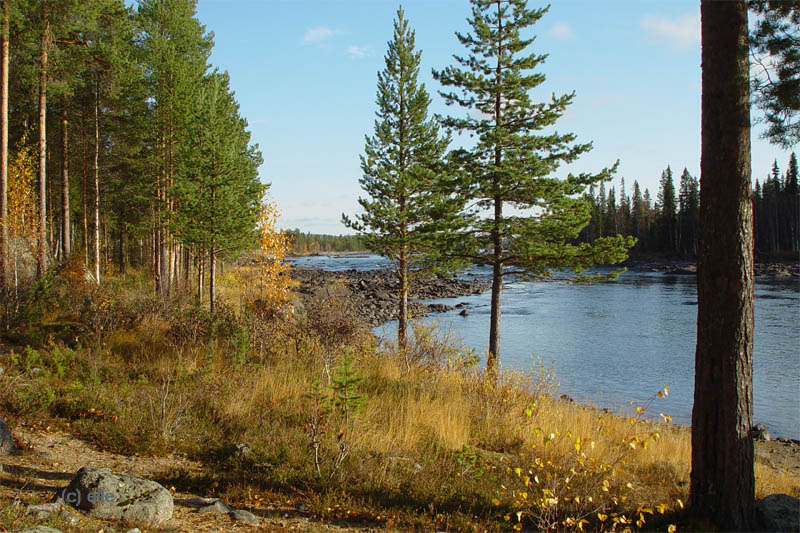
[616,342]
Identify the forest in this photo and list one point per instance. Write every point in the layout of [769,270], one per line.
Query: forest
[157,346]
[125,146]
[668,224]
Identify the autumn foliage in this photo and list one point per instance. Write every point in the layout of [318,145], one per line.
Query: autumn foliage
[272,270]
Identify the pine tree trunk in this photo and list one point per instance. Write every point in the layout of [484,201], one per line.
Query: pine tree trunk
[4,51]
[84,200]
[402,319]
[41,256]
[96,171]
[497,289]
[722,478]
[212,277]
[65,241]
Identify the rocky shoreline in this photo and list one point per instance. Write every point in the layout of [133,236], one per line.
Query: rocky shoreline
[374,293]
[678,267]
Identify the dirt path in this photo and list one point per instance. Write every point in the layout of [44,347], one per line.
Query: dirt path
[53,457]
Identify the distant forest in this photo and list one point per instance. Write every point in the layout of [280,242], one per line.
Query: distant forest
[668,224]
[310,243]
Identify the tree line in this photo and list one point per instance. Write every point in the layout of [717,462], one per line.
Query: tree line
[668,224]
[121,144]
[312,243]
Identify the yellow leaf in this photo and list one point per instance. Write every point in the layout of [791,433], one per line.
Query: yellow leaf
[602,517]
[639,409]
[672,528]
[680,503]
[495,501]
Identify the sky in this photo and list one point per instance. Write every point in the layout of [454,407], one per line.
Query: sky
[305,73]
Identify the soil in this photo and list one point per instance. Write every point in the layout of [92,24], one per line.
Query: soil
[52,457]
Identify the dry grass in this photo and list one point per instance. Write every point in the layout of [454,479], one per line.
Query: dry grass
[407,449]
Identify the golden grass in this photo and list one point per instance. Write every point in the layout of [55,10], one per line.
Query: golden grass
[426,413]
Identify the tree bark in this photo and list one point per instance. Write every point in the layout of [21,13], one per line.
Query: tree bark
[41,256]
[96,171]
[212,277]
[66,247]
[4,51]
[402,319]
[722,479]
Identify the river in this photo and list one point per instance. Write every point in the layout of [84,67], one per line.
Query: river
[616,342]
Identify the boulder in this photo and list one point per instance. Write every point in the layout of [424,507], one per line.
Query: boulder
[44,511]
[106,495]
[779,512]
[39,529]
[7,445]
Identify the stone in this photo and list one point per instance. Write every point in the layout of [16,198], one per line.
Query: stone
[241,449]
[301,507]
[44,511]
[134,530]
[68,517]
[7,445]
[218,507]
[464,312]
[39,529]
[244,516]
[760,432]
[779,512]
[107,495]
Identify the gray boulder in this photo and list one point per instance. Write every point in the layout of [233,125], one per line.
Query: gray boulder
[779,512]
[39,529]
[104,494]
[244,516]
[44,511]
[7,445]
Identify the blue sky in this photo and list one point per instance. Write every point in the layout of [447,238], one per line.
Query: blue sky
[305,75]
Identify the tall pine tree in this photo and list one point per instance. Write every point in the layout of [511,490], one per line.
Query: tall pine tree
[515,156]
[408,216]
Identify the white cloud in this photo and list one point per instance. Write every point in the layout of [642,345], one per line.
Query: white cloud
[681,33]
[561,31]
[319,34]
[359,51]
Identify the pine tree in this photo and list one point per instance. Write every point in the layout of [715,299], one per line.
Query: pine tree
[722,481]
[688,205]
[513,161]
[409,215]
[219,199]
[775,40]
[667,217]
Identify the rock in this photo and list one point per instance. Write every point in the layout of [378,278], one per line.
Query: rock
[464,312]
[567,398]
[244,516]
[7,445]
[218,507]
[44,511]
[134,530]
[241,449]
[301,507]
[39,529]
[68,517]
[779,512]
[759,432]
[106,495]
[35,371]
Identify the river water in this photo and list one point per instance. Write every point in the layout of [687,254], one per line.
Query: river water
[616,342]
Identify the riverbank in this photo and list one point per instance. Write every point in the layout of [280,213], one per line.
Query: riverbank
[374,293]
[683,267]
